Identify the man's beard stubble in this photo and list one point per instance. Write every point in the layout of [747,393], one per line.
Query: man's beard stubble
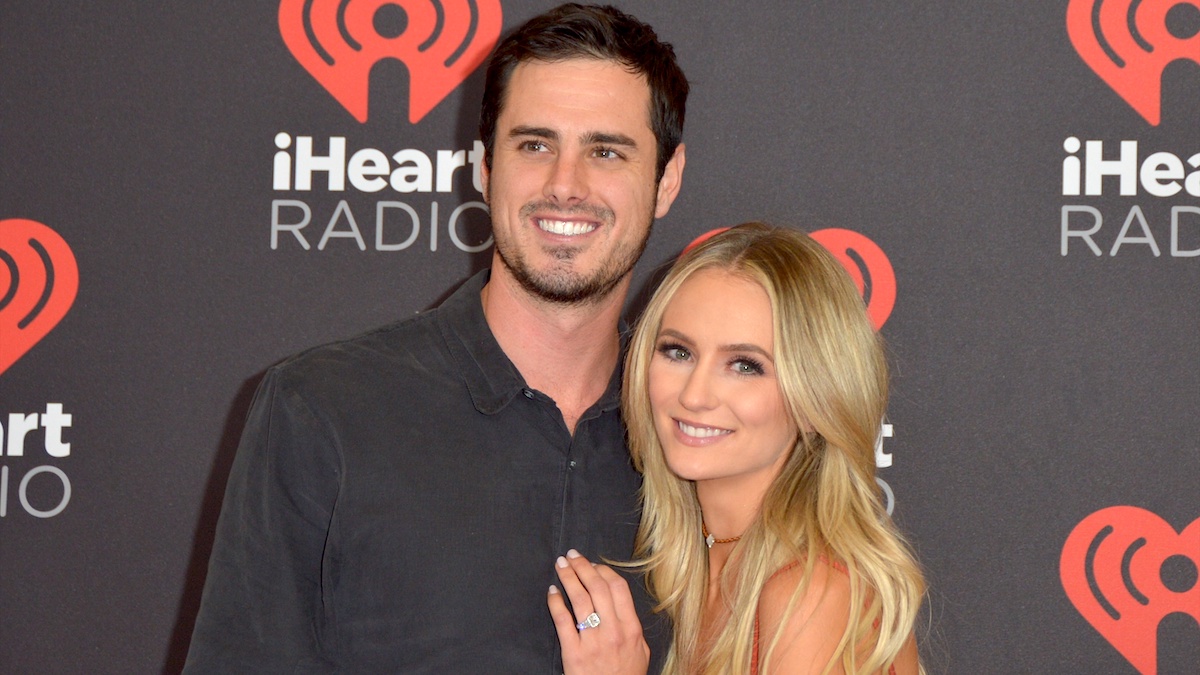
[565,286]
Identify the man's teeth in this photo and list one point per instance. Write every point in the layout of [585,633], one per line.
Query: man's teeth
[701,432]
[566,227]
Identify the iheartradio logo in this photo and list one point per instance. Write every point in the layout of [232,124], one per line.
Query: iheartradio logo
[868,266]
[1130,42]
[38,282]
[440,41]
[1125,569]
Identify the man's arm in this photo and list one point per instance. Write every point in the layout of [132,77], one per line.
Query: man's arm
[262,609]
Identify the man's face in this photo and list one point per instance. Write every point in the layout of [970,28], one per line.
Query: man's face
[572,187]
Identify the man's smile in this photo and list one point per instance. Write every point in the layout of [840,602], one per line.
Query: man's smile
[568,228]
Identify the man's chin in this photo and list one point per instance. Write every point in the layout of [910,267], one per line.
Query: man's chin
[558,280]
[567,289]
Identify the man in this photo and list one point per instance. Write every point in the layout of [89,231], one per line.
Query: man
[398,499]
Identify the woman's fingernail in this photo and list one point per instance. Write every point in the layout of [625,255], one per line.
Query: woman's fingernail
[561,562]
[573,554]
[553,590]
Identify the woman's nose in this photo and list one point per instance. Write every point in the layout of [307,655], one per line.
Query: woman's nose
[698,392]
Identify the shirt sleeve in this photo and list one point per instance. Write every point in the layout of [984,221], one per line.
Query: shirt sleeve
[263,607]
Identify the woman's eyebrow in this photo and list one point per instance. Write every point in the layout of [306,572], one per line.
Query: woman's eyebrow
[736,347]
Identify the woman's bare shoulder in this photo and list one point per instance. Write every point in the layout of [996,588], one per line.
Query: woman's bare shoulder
[811,633]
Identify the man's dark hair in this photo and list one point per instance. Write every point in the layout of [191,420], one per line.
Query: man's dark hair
[596,32]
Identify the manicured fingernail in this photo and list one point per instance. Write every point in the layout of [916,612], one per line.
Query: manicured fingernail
[553,590]
[561,562]
[573,554]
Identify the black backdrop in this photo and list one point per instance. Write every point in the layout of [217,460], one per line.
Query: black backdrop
[1036,381]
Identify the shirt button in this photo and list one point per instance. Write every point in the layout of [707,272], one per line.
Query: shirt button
[528,393]
[571,464]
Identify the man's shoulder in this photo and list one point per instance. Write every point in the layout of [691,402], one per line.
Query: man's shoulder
[413,343]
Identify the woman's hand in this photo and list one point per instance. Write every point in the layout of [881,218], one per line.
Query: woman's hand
[615,644]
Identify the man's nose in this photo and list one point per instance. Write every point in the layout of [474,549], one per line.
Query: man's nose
[567,183]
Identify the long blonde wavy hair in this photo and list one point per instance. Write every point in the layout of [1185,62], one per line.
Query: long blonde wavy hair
[825,503]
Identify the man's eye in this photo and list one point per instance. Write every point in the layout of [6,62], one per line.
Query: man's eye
[534,146]
[607,153]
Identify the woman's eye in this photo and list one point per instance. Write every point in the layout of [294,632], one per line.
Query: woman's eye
[747,367]
[675,352]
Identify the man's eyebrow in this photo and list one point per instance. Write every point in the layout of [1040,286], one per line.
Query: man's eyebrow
[537,132]
[590,138]
[598,137]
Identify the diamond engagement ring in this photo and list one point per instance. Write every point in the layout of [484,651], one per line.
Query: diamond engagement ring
[590,621]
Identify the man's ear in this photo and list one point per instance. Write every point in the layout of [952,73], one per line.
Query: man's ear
[672,179]
[485,173]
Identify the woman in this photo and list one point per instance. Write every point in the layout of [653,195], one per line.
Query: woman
[754,391]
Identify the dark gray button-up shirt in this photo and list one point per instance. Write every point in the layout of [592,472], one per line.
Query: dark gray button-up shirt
[397,503]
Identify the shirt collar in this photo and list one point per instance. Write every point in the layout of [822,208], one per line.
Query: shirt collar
[491,377]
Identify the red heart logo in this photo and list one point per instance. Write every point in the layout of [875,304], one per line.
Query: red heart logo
[1124,569]
[38,282]
[868,265]
[441,42]
[1129,50]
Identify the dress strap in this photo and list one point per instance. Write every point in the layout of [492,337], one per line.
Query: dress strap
[754,647]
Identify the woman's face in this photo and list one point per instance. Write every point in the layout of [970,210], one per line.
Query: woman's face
[716,402]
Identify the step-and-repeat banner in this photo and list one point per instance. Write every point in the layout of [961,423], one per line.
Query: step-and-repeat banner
[190,192]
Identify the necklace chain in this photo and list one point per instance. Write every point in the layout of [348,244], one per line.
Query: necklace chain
[710,540]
